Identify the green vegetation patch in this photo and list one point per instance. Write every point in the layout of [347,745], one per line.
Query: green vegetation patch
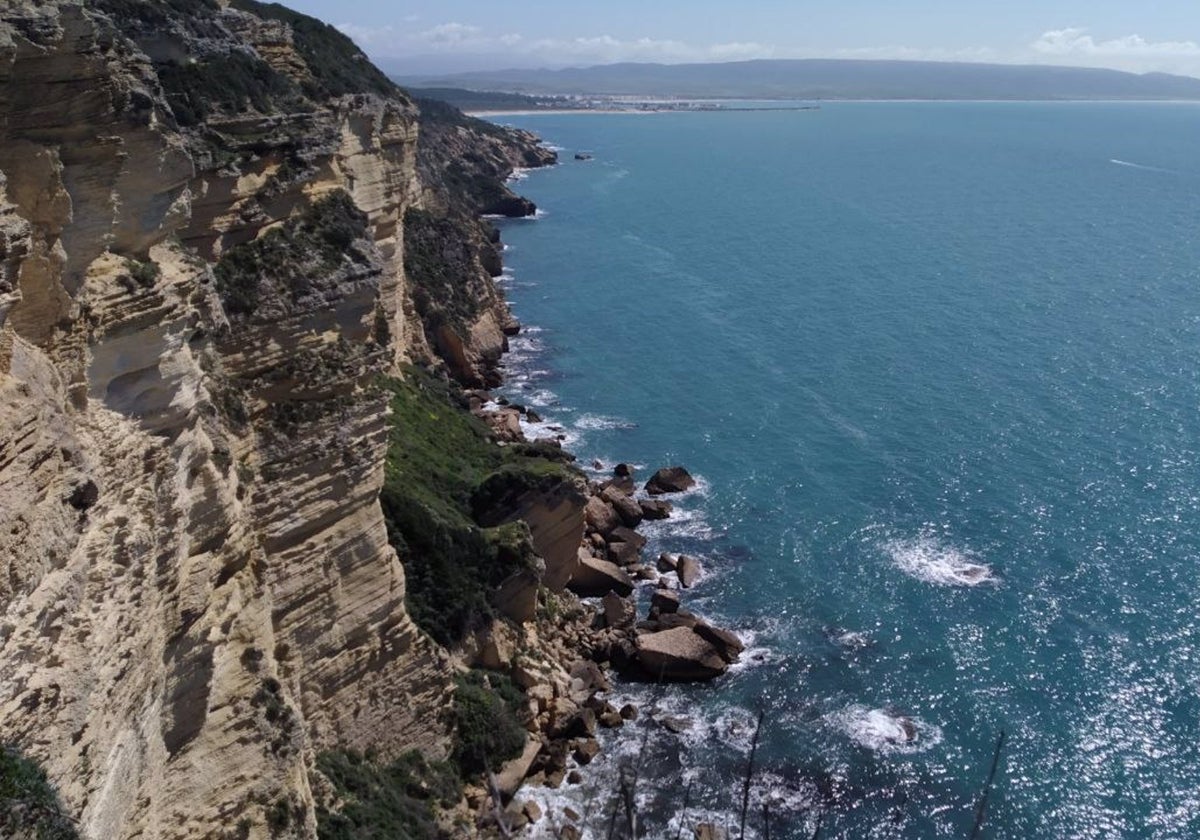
[487,724]
[232,83]
[338,66]
[29,806]
[291,260]
[385,801]
[439,456]
[438,257]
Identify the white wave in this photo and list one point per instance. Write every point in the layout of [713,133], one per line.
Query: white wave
[886,730]
[930,560]
[1143,167]
[600,422]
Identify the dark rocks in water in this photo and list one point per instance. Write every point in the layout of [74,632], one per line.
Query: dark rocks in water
[679,655]
[653,509]
[675,724]
[84,496]
[629,712]
[618,612]
[624,554]
[596,577]
[728,645]
[510,206]
[511,327]
[688,570]
[628,509]
[683,618]
[532,416]
[597,464]
[668,562]
[623,470]
[600,516]
[664,601]
[622,483]
[670,480]
[586,750]
[582,156]
[627,535]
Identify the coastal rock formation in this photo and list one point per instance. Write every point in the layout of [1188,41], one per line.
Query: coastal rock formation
[202,276]
[670,480]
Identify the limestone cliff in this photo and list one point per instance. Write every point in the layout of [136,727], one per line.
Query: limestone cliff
[202,275]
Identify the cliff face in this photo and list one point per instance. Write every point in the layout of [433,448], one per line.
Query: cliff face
[197,592]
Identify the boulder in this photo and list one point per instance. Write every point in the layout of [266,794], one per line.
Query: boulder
[517,596]
[653,509]
[624,554]
[629,712]
[680,655]
[532,811]
[586,680]
[664,601]
[626,507]
[600,516]
[670,480]
[514,772]
[627,535]
[623,470]
[682,618]
[596,577]
[726,644]
[709,831]
[620,484]
[675,724]
[586,750]
[618,612]
[668,562]
[688,571]
[643,572]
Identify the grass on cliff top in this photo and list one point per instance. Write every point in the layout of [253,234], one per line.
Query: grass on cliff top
[337,65]
[385,801]
[29,805]
[442,470]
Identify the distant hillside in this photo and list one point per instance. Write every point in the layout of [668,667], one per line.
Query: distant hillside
[472,100]
[831,79]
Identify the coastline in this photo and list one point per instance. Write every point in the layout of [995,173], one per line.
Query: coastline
[608,645]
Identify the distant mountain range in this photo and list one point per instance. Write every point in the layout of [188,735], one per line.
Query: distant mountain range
[830,79]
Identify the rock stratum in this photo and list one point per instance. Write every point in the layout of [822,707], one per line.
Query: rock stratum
[204,213]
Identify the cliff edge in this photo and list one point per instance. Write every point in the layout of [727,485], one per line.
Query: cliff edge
[205,209]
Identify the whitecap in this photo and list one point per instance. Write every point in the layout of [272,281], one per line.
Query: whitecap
[600,422]
[886,730]
[1142,167]
[928,559]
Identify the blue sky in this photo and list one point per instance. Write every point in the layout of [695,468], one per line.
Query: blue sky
[1137,35]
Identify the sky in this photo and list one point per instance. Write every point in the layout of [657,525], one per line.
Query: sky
[413,36]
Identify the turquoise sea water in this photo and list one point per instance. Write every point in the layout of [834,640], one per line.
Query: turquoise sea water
[938,366]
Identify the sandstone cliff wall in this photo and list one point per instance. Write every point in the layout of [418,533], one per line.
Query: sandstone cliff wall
[196,588]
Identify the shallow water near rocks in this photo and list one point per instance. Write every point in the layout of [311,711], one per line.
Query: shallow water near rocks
[938,366]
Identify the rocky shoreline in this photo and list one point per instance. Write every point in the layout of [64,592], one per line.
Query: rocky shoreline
[596,630]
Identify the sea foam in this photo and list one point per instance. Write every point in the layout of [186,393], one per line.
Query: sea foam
[929,559]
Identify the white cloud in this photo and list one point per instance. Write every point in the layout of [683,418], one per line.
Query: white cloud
[1075,45]
[899,53]
[451,33]
[462,38]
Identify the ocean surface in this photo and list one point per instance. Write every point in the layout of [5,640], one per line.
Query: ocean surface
[938,368]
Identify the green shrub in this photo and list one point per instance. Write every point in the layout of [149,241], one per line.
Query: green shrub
[293,259]
[227,84]
[337,66]
[439,456]
[487,726]
[29,806]
[382,802]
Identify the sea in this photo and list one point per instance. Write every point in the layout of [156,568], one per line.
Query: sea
[937,369]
